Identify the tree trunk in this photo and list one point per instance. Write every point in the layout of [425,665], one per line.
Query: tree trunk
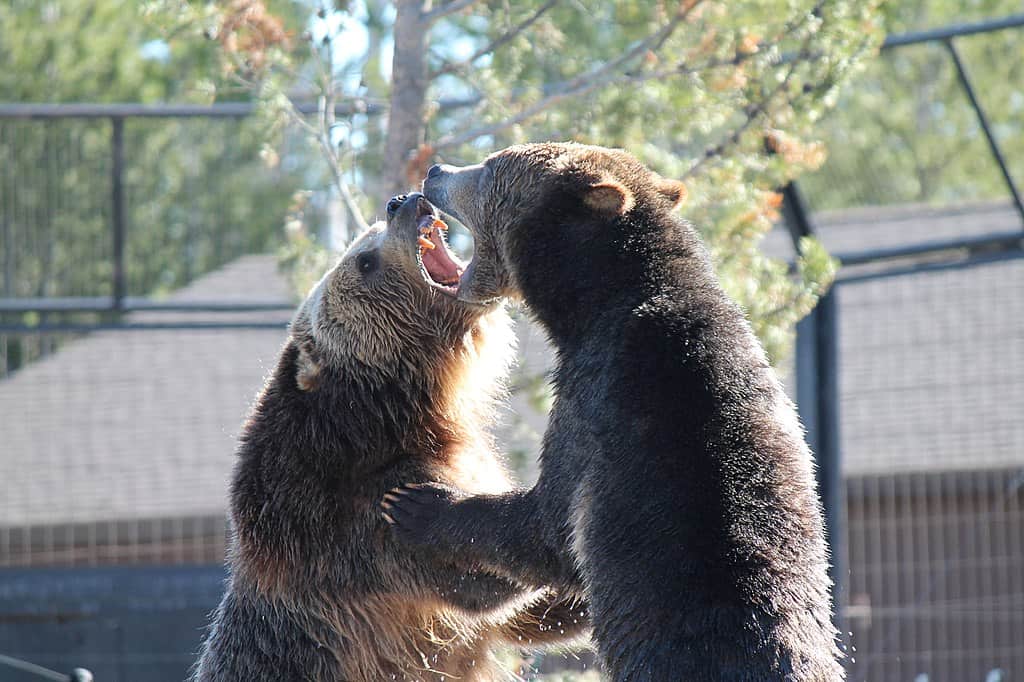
[406,124]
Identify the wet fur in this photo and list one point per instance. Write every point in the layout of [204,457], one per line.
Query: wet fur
[380,383]
[676,493]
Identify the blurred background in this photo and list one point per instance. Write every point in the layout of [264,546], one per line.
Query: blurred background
[174,175]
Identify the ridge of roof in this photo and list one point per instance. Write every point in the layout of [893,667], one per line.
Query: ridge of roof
[907,212]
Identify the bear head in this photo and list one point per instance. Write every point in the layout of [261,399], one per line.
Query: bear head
[553,216]
[388,309]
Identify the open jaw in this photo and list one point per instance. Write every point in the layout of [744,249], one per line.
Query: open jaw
[441,268]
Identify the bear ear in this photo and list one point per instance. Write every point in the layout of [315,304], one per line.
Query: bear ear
[609,197]
[673,190]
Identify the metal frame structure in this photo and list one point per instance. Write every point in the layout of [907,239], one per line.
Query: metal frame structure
[947,36]
[817,355]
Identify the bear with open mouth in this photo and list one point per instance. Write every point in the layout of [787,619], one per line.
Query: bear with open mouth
[676,491]
[385,378]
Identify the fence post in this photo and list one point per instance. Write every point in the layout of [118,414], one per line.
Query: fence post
[817,396]
[117,208]
[830,475]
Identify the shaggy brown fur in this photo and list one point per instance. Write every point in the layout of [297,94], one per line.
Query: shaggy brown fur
[385,379]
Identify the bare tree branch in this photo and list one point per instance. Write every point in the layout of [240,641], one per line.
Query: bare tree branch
[322,133]
[453,67]
[650,43]
[444,10]
[580,85]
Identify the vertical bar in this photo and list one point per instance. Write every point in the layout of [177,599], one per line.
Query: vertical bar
[817,370]
[993,145]
[8,239]
[10,173]
[806,367]
[794,209]
[817,367]
[117,208]
[830,476]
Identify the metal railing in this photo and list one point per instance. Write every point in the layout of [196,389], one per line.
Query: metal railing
[76,675]
[119,301]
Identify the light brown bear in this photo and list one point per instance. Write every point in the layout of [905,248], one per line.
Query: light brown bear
[386,378]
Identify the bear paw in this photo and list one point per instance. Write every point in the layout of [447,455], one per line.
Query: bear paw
[414,510]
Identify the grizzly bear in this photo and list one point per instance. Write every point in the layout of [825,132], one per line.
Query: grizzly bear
[677,493]
[386,378]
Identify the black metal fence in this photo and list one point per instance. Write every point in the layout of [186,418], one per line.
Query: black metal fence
[119,407]
[910,379]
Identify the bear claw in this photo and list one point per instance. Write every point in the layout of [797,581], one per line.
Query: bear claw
[413,509]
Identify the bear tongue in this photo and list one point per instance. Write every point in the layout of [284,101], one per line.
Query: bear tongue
[441,267]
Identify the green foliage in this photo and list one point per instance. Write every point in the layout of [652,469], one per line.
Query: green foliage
[80,51]
[697,100]
[906,132]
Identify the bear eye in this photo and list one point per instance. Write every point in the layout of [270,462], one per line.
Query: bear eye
[367,262]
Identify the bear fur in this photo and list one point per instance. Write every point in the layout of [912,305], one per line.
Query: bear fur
[385,379]
[676,491]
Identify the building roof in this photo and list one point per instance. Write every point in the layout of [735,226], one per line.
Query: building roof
[138,424]
[931,363]
[118,425]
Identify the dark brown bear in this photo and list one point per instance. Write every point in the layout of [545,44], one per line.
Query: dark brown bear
[676,492]
[386,378]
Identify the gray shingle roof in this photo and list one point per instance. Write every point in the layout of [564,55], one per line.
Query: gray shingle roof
[932,370]
[932,364]
[137,424]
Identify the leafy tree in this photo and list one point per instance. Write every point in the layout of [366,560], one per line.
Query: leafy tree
[723,95]
[907,133]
